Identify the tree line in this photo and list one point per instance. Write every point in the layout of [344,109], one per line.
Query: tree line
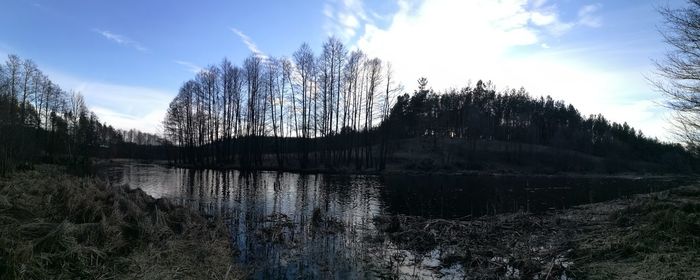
[340,108]
[479,112]
[306,109]
[336,109]
[40,121]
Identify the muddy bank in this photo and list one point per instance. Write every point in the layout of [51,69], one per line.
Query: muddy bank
[53,225]
[652,236]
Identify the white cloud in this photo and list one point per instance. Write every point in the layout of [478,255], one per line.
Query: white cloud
[587,16]
[190,66]
[327,10]
[121,39]
[249,43]
[541,19]
[548,18]
[344,18]
[447,40]
[150,122]
[453,42]
[122,106]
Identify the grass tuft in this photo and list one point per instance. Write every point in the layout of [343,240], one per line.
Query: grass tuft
[57,226]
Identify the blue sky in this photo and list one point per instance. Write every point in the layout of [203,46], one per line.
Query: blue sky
[129,57]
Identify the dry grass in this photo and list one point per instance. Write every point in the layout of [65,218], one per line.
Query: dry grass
[56,226]
[654,236]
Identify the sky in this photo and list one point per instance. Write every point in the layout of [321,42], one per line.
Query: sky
[128,58]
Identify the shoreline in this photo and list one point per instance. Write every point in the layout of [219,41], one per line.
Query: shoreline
[396,172]
[646,236]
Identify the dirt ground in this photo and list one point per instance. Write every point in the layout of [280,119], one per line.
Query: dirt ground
[651,236]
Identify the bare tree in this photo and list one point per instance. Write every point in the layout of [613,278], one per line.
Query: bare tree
[29,68]
[227,113]
[12,67]
[679,70]
[374,80]
[39,81]
[287,73]
[304,59]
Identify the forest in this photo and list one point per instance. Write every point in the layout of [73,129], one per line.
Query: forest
[339,109]
[342,108]
[40,122]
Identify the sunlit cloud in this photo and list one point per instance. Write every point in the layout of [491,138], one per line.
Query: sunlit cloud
[121,39]
[510,43]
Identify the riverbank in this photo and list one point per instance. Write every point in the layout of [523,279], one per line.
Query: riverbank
[395,171]
[651,236]
[53,225]
[454,156]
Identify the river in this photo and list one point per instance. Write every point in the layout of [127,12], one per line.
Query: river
[319,226]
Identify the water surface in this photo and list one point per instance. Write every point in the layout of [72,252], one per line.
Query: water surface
[274,216]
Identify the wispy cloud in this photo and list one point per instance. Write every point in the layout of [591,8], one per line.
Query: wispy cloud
[547,18]
[344,18]
[114,103]
[121,39]
[587,16]
[190,66]
[538,3]
[248,42]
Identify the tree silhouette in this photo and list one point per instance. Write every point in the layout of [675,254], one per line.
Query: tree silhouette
[39,121]
[680,78]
